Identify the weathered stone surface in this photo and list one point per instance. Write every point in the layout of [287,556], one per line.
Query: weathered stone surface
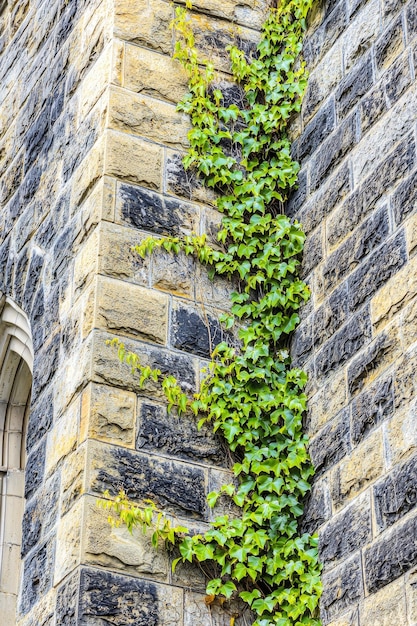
[155,213]
[355,85]
[316,131]
[386,607]
[362,32]
[372,106]
[132,311]
[393,296]
[35,467]
[124,601]
[391,555]
[397,78]
[152,74]
[396,495]
[176,274]
[154,19]
[393,168]
[342,587]
[374,272]
[322,81]
[115,255]
[62,438]
[327,402]
[356,248]
[73,478]
[193,330]
[373,405]
[108,414]
[404,198]
[37,574]
[346,532]
[323,38]
[148,117]
[67,600]
[40,419]
[331,444]
[169,434]
[40,515]
[68,542]
[344,344]
[132,159]
[363,466]
[405,382]
[196,611]
[370,362]
[389,44]
[174,486]
[330,315]
[402,434]
[331,152]
[114,547]
[318,508]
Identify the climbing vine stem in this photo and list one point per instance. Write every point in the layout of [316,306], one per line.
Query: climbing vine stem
[251,394]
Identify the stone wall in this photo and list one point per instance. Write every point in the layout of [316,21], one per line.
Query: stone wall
[357,202]
[90,163]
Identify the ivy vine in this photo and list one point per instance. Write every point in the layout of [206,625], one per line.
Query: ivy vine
[251,394]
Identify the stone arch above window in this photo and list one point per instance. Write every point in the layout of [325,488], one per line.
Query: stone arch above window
[16,365]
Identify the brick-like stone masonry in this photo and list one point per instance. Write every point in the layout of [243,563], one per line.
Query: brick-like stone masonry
[90,164]
[356,140]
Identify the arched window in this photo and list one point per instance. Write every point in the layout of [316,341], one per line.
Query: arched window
[16,363]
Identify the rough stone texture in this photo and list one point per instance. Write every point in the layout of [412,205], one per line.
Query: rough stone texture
[90,164]
[357,337]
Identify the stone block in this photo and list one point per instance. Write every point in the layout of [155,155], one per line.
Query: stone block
[374,405]
[362,32]
[41,614]
[386,607]
[176,487]
[390,556]
[411,18]
[401,434]
[392,128]
[342,588]
[325,404]
[346,532]
[355,85]
[131,159]
[96,81]
[375,359]
[182,183]
[35,469]
[395,495]
[354,474]
[316,131]
[85,265]
[113,547]
[330,316]
[155,213]
[411,234]
[108,414]
[318,507]
[322,81]
[317,44]
[331,444]
[404,198]
[332,151]
[360,203]
[389,45]
[131,310]
[67,600]
[175,274]
[152,74]
[351,253]
[303,341]
[326,198]
[68,542]
[377,270]
[173,435]
[116,257]
[87,174]
[147,117]
[344,344]
[73,478]
[38,571]
[195,330]
[144,23]
[196,611]
[106,367]
[394,295]
[118,600]
[313,251]
[40,515]
[397,78]
[63,437]
[41,417]
[405,382]
[372,106]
